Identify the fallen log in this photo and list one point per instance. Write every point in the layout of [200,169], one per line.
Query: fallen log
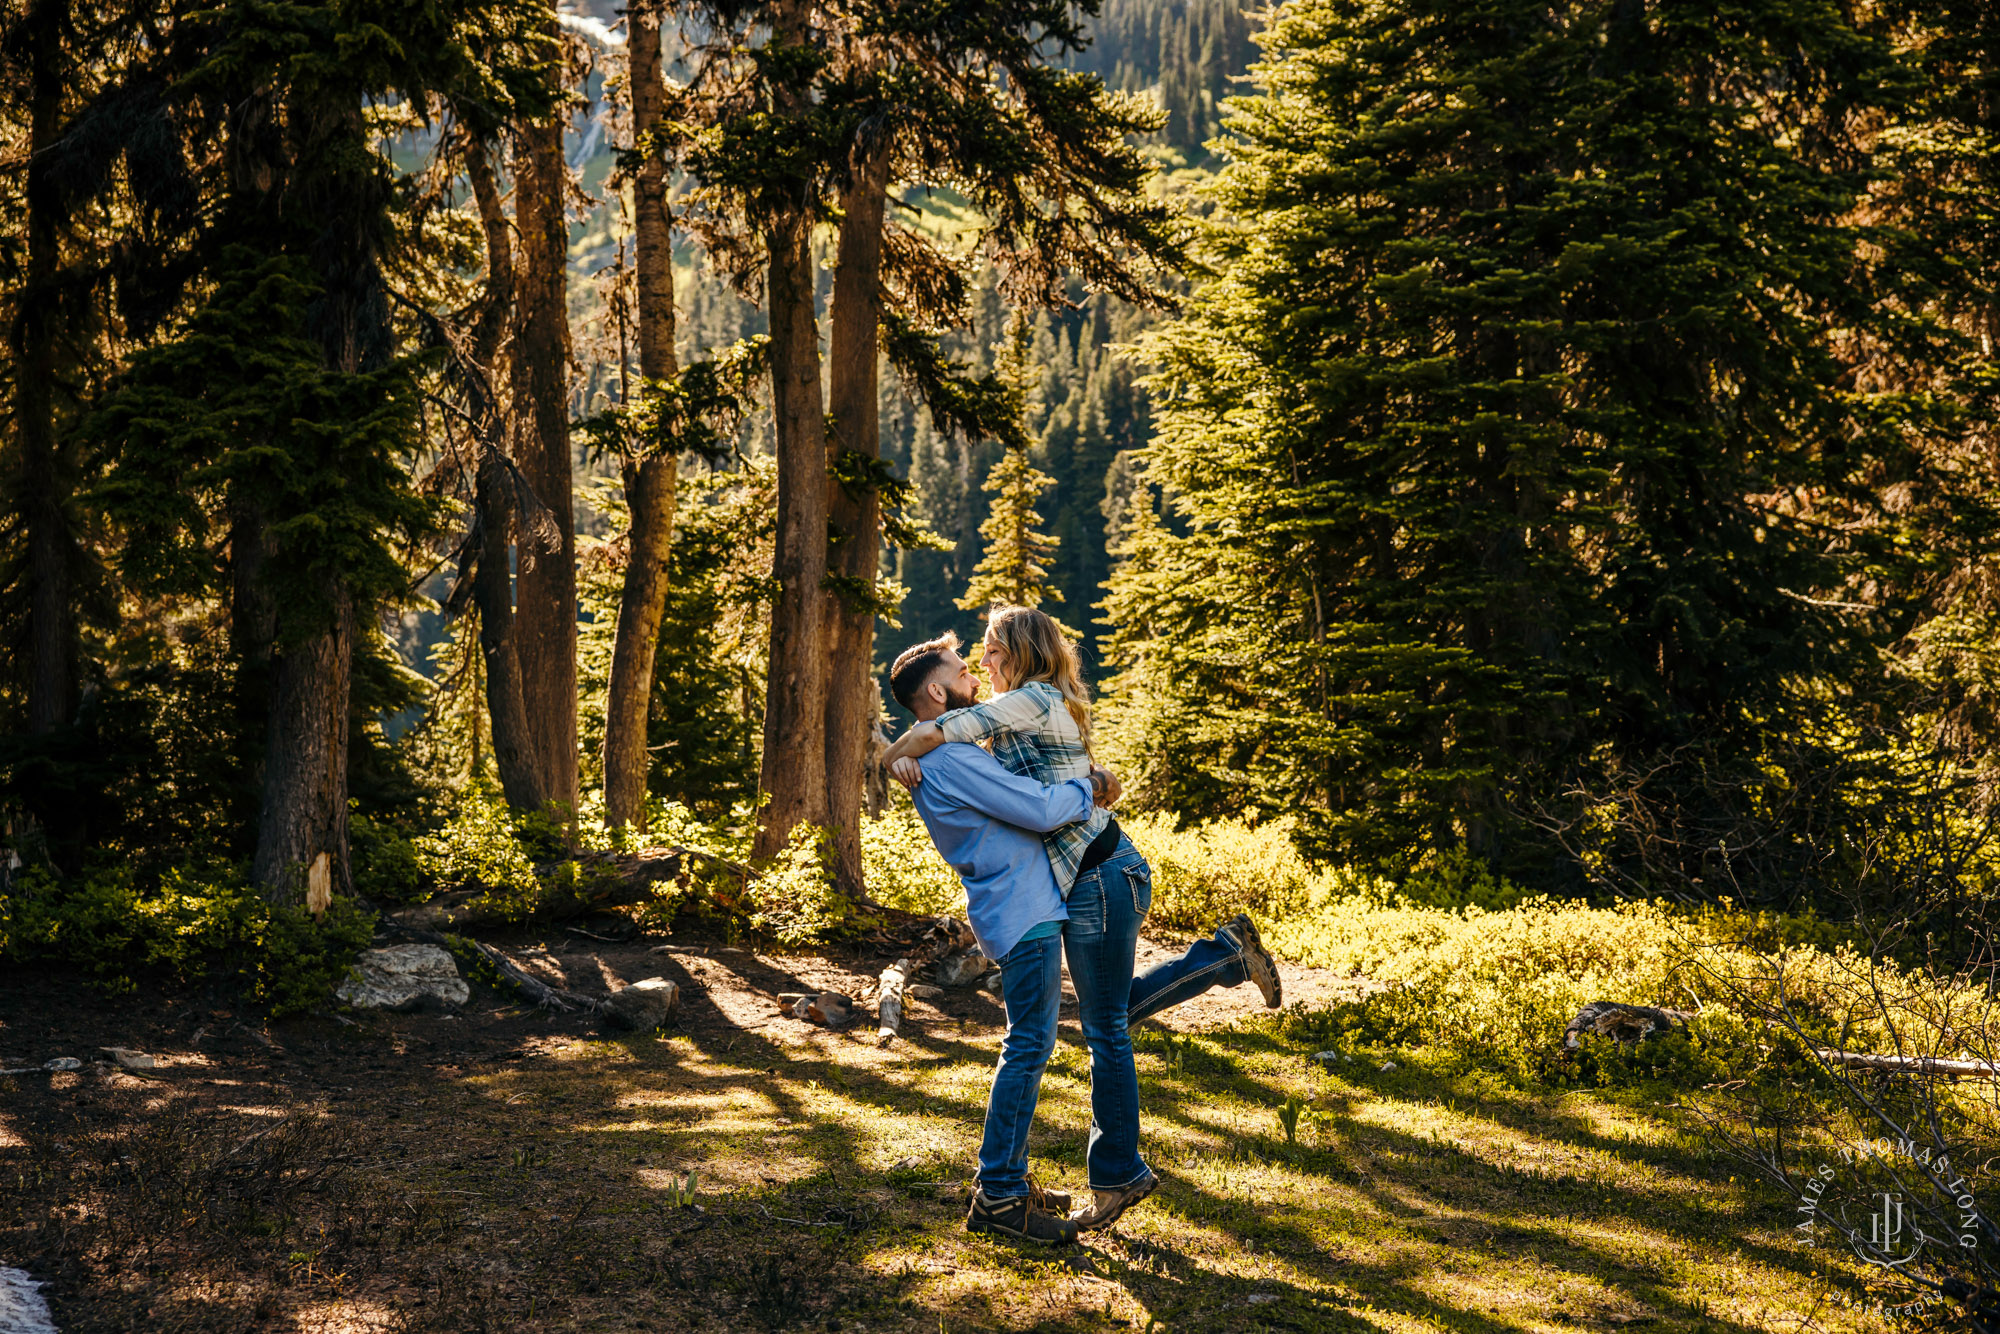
[536,990]
[1908,1065]
[636,874]
[945,937]
[889,1002]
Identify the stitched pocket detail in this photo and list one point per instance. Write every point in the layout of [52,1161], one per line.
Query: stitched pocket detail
[1139,876]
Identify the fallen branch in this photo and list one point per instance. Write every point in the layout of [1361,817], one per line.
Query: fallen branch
[946,936]
[889,1008]
[637,873]
[536,990]
[1908,1065]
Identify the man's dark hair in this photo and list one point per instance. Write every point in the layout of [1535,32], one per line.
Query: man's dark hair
[914,665]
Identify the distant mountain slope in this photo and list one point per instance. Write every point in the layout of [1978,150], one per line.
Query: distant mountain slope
[1190,53]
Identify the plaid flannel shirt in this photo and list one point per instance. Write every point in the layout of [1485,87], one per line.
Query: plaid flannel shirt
[1034,736]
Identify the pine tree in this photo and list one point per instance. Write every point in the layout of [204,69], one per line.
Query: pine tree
[1479,433]
[1015,567]
[276,421]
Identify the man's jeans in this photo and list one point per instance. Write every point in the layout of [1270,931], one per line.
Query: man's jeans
[1031,988]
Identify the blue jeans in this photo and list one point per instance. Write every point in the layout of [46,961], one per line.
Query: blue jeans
[1031,989]
[1107,905]
[1215,962]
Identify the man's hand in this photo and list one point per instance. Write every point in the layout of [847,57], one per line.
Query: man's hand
[907,772]
[1105,785]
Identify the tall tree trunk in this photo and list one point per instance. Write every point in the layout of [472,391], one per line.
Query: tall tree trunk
[793,773]
[522,776]
[545,582]
[521,773]
[649,482]
[45,481]
[304,814]
[302,826]
[253,633]
[854,512]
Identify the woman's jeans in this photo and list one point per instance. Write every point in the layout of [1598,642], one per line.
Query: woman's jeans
[1107,906]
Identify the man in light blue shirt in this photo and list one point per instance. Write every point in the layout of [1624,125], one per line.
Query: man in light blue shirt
[988,823]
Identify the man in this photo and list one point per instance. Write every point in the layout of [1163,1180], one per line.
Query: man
[987,823]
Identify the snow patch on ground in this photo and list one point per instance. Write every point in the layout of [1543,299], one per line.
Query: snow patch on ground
[22,1310]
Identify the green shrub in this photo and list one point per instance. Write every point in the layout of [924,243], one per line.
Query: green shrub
[197,924]
[903,867]
[1457,879]
[795,901]
[386,867]
[478,848]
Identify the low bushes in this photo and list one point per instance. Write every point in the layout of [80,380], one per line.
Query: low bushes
[195,924]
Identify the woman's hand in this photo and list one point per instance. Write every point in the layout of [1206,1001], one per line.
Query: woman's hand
[907,772]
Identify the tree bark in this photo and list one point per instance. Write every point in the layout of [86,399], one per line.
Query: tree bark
[854,512]
[522,776]
[793,776]
[545,582]
[45,485]
[649,482]
[305,765]
[303,815]
[521,773]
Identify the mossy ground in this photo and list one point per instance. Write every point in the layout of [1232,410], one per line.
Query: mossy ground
[508,1171]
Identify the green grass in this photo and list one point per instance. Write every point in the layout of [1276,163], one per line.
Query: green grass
[1413,1198]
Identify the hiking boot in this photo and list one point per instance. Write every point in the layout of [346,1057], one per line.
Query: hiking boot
[1111,1203]
[1013,1216]
[1257,960]
[1055,1202]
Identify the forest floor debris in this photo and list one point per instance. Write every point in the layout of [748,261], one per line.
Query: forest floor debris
[518,1168]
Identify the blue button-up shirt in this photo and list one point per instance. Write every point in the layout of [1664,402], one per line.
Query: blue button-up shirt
[989,824]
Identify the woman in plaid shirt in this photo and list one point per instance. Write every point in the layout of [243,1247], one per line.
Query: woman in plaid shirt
[1037,723]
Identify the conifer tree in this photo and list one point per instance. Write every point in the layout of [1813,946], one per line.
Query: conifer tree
[275,421]
[1499,435]
[1015,566]
[649,476]
[845,103]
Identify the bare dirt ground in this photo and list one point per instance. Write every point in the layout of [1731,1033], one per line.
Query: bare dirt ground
[503,1167]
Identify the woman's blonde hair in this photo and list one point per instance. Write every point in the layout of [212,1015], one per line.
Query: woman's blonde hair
[1037,650]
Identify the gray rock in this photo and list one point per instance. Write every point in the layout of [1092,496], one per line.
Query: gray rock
[130,1059]
[404,977]
[962,969]
[646,1005]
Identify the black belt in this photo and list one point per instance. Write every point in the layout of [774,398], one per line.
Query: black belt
[1101,847]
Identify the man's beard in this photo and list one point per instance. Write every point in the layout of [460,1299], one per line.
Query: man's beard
[954,700]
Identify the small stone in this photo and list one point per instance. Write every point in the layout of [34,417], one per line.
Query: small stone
[646,1005]
[913,1163]
[131,1060]
[1263,1298]
[1387,1066]
[962,969]
[924,993]
[1327,1057]
[63,1063]
[404,977]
